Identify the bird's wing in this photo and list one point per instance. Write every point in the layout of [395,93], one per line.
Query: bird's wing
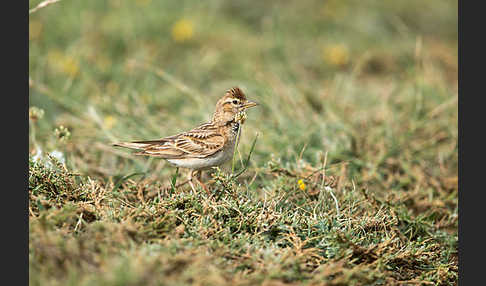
[199,142]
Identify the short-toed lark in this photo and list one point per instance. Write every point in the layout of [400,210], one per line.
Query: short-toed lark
[208,145]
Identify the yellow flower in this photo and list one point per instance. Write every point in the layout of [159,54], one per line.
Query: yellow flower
[301,184]
[302,187]
[182,30]
[336,55]
[109,121]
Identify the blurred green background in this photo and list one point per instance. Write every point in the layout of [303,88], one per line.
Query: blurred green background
[337,76]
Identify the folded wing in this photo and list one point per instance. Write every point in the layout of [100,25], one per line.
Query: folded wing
[199,142]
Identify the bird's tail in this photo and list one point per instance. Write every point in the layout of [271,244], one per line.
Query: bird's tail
[132,145]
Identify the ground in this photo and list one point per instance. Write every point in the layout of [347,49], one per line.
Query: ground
[346,173]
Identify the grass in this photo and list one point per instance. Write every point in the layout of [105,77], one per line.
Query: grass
[352,179]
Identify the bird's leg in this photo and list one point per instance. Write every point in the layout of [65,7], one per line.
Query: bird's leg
[198,179]
[191,175]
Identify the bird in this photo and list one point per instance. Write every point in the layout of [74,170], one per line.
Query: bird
[208,145]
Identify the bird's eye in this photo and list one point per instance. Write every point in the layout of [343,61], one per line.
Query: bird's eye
[235,101]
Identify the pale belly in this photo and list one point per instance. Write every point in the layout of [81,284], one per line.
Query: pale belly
[203,163]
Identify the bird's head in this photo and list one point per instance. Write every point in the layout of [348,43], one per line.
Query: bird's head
[232,106]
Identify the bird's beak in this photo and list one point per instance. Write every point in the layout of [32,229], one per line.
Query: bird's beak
[249,104]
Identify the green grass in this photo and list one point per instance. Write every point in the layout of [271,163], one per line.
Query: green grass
[358,99]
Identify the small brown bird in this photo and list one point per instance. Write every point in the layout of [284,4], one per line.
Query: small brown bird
[208,145]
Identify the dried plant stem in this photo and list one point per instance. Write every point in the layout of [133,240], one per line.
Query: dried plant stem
[42,5]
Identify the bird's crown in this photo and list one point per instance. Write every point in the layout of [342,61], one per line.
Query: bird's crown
[236,92]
